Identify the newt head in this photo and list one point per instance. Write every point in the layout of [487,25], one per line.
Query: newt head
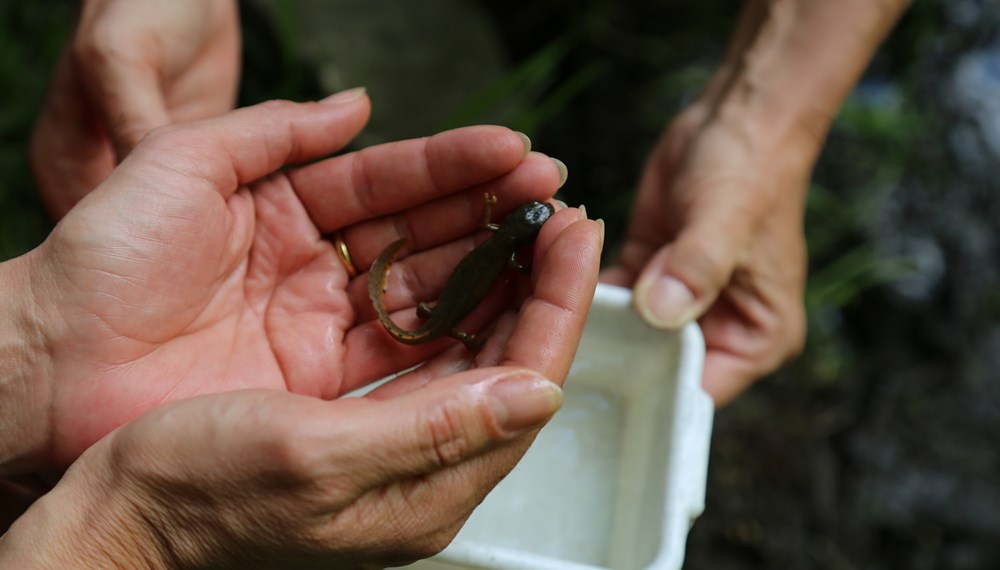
[526,221]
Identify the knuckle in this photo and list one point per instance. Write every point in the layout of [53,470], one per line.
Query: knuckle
[87,52]
[129,128]
[164,133]
[101,45]
[363,182]
[165,137]
[276,105]
[783,339]
[445,439]
[707,264]
[289,453]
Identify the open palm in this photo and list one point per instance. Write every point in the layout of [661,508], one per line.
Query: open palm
[197,267]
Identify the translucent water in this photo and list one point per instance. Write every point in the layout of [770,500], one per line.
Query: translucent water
[559,501]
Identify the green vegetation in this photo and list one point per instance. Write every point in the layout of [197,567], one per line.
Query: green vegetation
[529,95]
[31,34]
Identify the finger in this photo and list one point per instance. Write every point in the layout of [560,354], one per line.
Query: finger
[417,277]
[441,220]
[451,361]
[208,85]
[454,360]
[374,354]
[259,140]
[121,58]
[749,332]
[550,322]
[616,275]
[444,424]
[127,93]
[139,65]
[726,376]
[69,155]
[683,278]
[392,177]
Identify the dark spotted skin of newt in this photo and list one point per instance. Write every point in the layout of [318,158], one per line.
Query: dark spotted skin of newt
[469,282]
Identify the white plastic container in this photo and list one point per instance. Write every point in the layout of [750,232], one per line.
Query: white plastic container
[616,479]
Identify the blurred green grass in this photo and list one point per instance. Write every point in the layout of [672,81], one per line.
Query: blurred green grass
[31,34]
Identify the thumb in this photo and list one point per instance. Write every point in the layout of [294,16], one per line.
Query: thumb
[69,154]
[128,96]
[446,423]
[682,280]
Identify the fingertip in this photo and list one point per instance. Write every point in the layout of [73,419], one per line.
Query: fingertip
[595,231]
[616,275]
[586,236]
[663,301]
[465,156]
[345,97]
[526,141]
[554,228]
[523,401]
[563,171]
[563,218]
[726,377]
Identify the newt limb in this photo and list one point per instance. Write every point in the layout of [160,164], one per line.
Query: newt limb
[491,200]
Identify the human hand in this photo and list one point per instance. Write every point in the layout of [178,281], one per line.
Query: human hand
[131,66]
[261,479]
[265,477]
[196,267]
[716,235]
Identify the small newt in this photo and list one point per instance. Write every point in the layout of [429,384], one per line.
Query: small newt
[470,280]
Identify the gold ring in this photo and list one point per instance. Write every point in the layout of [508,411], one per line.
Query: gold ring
[343,254]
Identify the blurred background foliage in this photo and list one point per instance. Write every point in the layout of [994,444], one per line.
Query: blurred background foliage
[31,36]
[878,447]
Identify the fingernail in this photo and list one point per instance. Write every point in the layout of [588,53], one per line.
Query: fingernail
[600,224]
[562,205]
[344,96]
[583,210]
[522,402]
[526,141]
[563,171]
[664,302]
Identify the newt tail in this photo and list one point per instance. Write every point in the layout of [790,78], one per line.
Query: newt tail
[377,277]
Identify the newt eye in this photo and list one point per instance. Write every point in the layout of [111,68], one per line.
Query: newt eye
[538,213]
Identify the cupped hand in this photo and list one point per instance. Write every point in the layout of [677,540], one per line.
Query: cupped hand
[716,236]
[131,66]
[199,266]
[261,478]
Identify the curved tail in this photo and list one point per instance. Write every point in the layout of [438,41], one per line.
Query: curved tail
[377,276]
